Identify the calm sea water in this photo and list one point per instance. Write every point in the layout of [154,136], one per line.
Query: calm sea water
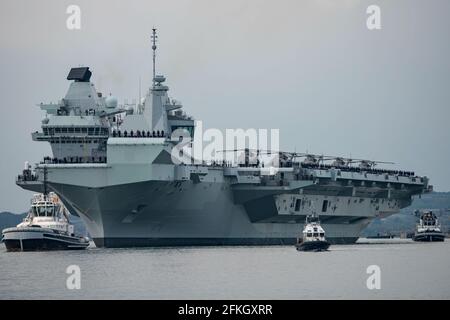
[408,270]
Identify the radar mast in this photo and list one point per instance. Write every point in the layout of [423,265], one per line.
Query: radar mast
[154,38]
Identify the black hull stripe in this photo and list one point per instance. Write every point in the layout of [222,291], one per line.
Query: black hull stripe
[426,238]
[181,242]
[40,245]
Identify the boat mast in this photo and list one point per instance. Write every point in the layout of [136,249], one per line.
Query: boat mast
[154,38]
[45,182]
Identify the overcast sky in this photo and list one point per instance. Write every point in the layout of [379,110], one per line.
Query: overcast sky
[310,68]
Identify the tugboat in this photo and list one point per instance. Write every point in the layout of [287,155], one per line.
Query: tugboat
[46,227]
[428,228]
[313,236]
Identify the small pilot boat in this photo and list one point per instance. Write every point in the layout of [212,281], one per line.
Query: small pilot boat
[313,236]
[46,227]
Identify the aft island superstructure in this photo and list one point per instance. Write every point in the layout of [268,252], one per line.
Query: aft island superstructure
[112,166]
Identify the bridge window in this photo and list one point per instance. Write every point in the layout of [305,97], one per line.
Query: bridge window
[324,205]
[43,211]
[189,129]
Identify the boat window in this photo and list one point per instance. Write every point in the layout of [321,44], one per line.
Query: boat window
[40,211]
[49,211]
[43,211]
[309,234]
[322,234]
[316,234]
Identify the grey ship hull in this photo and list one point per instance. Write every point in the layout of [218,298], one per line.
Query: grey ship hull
[162,213]
[142,199]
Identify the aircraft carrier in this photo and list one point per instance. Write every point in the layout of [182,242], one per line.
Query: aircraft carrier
[112,165]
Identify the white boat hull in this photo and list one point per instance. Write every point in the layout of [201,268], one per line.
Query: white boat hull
[430,236]
[40,239]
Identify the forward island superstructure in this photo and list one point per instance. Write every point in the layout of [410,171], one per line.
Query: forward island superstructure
[112,166]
